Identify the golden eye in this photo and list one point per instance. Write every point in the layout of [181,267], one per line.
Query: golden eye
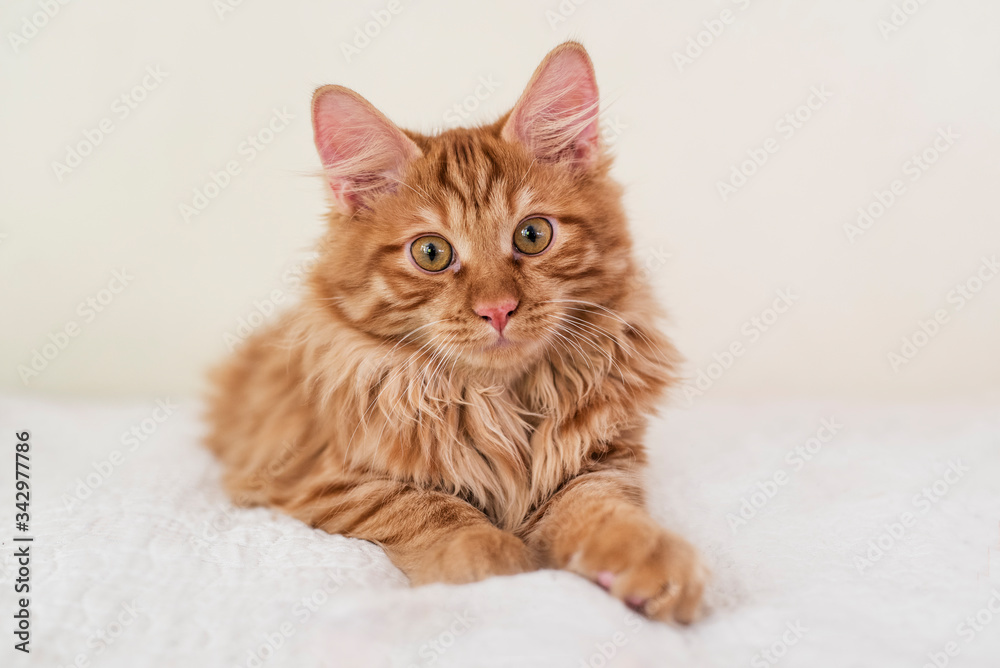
[431,253]
[533,235]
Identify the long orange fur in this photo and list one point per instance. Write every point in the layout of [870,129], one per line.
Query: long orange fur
[383,406]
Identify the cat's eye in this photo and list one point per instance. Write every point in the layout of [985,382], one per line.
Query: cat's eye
[533,235]
[431,253]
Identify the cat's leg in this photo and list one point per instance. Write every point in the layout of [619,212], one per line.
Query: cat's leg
[430,536]
[597,527]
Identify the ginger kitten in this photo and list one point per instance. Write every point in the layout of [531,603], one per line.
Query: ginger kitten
[468,378]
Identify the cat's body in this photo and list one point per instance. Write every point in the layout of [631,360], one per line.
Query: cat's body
[474,407]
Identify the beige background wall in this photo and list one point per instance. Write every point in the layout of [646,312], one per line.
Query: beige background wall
[197,84]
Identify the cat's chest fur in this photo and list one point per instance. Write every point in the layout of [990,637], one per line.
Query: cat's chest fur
[503,446]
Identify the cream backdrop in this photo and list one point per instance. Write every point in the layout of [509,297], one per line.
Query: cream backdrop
[116,115]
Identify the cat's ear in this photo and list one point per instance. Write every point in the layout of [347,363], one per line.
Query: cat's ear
[556,116]
[362,151]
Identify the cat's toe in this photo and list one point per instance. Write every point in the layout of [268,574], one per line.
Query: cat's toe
[647,568]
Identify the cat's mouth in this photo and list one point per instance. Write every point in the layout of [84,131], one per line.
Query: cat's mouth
[500,342]
[522,341]
[500,349]
[499,345]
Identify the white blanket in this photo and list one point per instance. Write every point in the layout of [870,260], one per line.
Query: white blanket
[836,558]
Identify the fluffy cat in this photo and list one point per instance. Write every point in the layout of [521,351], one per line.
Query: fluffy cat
[468,378]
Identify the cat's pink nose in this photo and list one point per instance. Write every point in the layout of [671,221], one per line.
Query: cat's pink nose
[497,313]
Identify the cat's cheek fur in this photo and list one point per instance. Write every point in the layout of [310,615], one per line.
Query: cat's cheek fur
[382,407]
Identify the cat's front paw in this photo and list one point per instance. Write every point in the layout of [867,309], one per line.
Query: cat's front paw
[473,553]
[647,567]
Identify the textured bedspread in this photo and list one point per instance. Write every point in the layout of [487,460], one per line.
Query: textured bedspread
[837,536]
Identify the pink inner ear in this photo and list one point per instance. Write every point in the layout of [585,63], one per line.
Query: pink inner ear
[556,116]
[361,150]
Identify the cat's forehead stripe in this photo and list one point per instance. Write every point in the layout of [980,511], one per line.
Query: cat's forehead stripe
[454,212]
[429,216]
[470,182]
[525,198]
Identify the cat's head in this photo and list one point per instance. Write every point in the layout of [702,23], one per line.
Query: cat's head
[484,244]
